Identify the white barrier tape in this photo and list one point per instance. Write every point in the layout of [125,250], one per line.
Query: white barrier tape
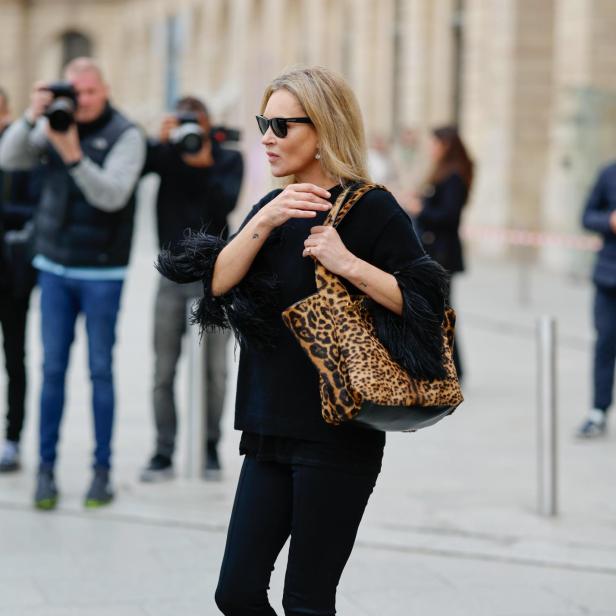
[521,237]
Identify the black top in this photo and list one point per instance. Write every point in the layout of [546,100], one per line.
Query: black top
[439,221]
[600,206]
[190,197]
[277,390]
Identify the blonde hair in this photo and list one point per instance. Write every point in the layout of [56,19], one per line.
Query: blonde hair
[330,103]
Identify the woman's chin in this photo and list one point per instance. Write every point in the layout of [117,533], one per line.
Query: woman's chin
[279,172]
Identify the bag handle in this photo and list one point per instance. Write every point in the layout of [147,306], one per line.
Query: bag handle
[347,199]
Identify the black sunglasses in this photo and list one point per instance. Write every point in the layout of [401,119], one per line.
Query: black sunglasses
[279,125]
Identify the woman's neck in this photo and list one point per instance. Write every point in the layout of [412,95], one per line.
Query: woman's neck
[316,176]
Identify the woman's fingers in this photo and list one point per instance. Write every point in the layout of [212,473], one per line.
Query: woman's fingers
[311,188]
[319,229]
[309,197]
[296,213]
[308,205]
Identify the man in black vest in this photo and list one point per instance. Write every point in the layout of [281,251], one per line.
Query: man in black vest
[198,190]
[84,227]
[19,193]
[600,216]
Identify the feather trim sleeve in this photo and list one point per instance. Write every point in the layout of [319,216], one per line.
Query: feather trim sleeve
[415,338]
[248,308]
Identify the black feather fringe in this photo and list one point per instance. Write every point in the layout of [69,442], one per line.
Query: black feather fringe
[415,339]
[249,309]
[191,259]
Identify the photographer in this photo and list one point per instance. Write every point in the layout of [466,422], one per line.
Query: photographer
[199,186]
[92,157]
[19,194]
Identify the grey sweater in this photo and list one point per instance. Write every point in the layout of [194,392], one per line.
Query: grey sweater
[107,187]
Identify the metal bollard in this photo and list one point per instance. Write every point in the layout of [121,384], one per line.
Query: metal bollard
[546,425]
[195,403]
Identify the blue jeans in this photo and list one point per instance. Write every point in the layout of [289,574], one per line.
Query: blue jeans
[605,347]
[62,300]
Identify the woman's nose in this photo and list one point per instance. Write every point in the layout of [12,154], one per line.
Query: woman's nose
[268,136]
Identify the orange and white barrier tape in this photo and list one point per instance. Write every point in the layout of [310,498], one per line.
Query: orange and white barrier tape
[527,238]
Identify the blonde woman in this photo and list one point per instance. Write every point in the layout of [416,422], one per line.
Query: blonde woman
[302,477]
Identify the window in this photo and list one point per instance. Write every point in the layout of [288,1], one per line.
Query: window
[75,45]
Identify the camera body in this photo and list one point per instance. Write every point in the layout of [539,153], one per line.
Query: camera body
[223,134]
[61,111]
[188,137]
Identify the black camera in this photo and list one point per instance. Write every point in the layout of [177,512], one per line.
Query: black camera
[223,134]
[188,136]
[61,111]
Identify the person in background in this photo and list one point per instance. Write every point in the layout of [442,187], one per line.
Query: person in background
[19,194]
[437,212]
[380,164]
[197,191]
[84,227]
[600,216]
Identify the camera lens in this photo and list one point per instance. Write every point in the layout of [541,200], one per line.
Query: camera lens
[60,114]
[188,138]
[191,143]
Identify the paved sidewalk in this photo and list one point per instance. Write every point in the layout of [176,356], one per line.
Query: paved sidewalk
[450,531]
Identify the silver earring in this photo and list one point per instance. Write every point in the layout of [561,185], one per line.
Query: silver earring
[318,155]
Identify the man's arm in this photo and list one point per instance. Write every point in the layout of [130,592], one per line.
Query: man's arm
[21,145]
[109,187]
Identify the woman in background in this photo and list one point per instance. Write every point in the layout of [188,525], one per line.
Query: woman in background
[438,210]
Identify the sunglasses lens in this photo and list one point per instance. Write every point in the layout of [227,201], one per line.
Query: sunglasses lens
[279,126]
[263,124]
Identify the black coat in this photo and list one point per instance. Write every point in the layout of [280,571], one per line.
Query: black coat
[439,222]
[599,207]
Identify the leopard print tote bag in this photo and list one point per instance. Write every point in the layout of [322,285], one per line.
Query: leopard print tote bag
[359,380]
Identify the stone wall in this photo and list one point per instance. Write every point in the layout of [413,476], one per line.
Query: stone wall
[538,81]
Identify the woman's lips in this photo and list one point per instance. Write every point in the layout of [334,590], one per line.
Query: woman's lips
[271,156]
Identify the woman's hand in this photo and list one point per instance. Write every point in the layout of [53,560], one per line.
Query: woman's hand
[295,201]
[325,245]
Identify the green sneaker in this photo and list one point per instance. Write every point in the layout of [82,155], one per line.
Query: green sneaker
[46,495]
[99,493]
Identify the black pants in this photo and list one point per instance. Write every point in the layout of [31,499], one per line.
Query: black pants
[320,508]
[13,314]
[605,347]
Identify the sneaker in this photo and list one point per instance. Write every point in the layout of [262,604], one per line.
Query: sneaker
[100,492]
[159,468]
[212,470]
[46,495]
[9,460]
[595,425]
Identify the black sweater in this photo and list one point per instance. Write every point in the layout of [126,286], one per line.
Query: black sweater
[277,389]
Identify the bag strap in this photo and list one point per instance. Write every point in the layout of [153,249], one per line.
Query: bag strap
[347,199]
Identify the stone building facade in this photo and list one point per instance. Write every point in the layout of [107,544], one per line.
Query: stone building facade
[532,83]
